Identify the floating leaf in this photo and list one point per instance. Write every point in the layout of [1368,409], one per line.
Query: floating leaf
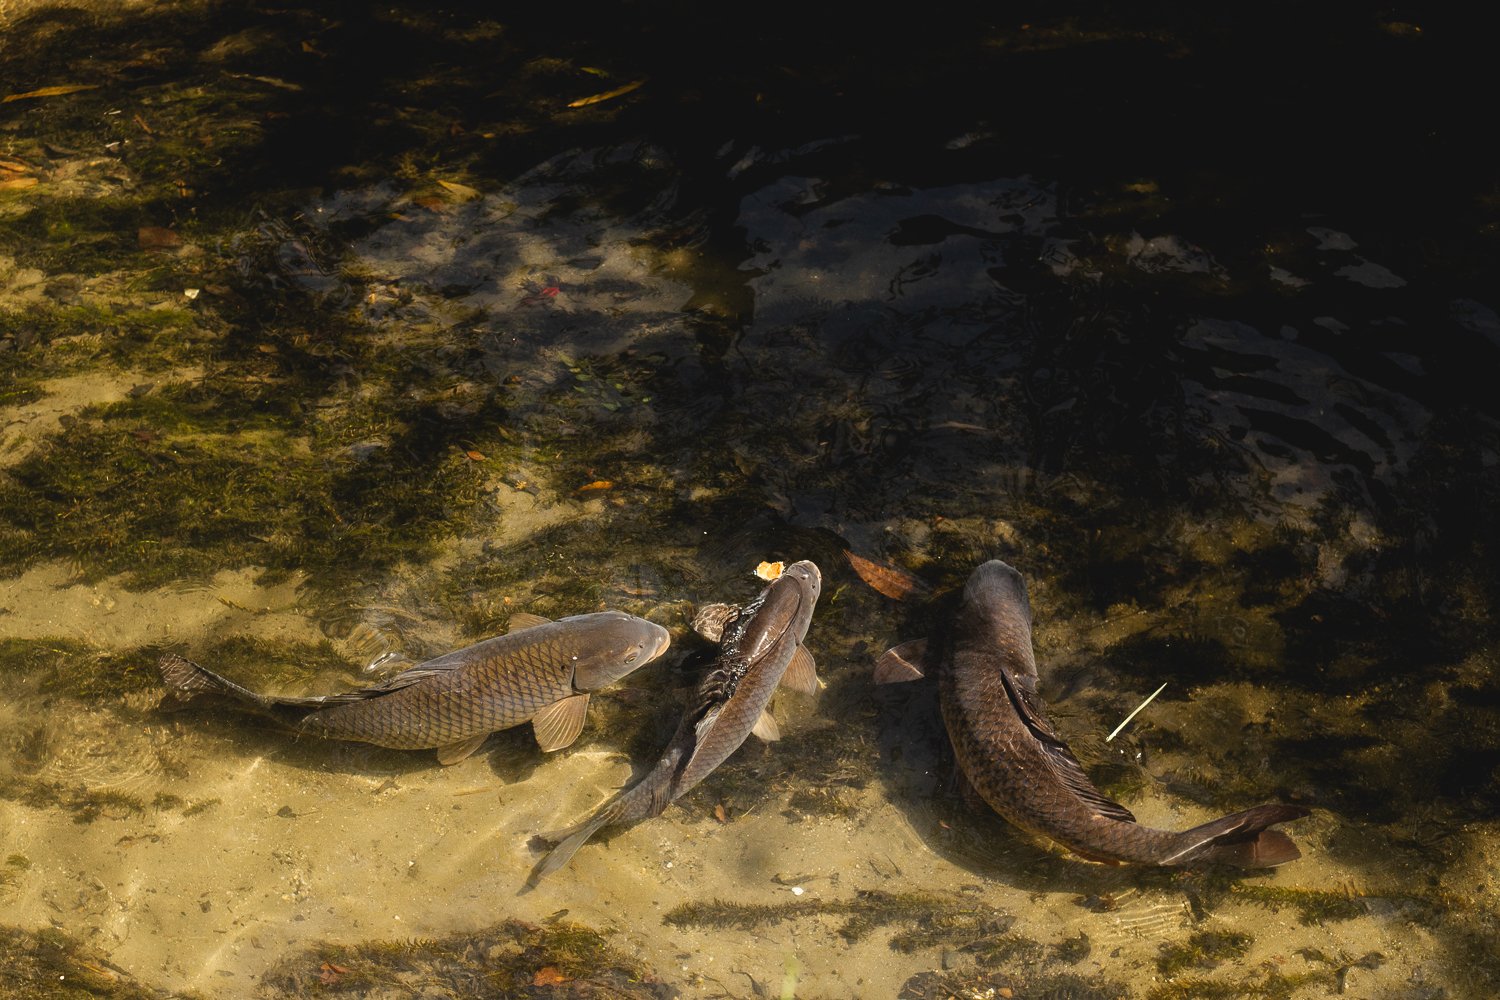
[461,191]
[54,91]
[584,102]
[548,975]
[598,484]
[769,570]
[887,580]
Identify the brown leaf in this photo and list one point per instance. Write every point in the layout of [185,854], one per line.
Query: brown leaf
[598,484]
[328,973]
[54,91]
[476,456]
[887,580]
[548,975]
[16,183]
[720,813]
[14,166]
[157,238]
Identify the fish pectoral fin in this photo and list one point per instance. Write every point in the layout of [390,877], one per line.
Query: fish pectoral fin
[710,620]
[705,724]
[452,753]
[525,619]
[906,662]
[802,674]
[766,727]
[559,724]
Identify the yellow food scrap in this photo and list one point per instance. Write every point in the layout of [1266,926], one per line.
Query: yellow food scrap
[769,570]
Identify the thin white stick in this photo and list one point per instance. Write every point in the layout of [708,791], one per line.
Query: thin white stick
[1136,712]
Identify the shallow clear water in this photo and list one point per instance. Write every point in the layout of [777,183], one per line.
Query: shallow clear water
[331,339]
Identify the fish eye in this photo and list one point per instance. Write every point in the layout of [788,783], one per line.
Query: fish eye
[633,654]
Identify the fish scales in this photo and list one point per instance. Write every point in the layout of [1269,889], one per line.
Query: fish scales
[1007,748]
[758,646]
[499,689]
[539,669]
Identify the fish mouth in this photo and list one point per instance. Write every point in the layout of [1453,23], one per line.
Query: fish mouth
[663,642]
[806,571]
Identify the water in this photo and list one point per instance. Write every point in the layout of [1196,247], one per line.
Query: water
[332,338]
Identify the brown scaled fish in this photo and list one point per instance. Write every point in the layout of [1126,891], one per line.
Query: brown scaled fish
[1015,760]
[541,670]
[761,647]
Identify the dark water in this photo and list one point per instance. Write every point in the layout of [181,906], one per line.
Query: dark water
[335,333]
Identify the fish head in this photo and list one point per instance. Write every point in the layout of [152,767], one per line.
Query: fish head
[615,645]
[997,610]
[997,584]
[786,606]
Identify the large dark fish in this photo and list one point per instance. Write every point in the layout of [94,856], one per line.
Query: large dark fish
[761,647]
[1015,760]
[541,670]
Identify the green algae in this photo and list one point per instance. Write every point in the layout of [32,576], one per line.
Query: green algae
[508,959]
[867,911]
[1268,984]
[78,670]
[1202,949]
[84,803]
[49,964]
[1313,906]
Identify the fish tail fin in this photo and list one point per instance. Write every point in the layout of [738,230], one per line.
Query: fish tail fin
[1241,839]
[567,842]
[186,679]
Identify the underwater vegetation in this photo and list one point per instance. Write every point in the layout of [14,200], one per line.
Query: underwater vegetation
[50,965]
[512,958]
[869,910]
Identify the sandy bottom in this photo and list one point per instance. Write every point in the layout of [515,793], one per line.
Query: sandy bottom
[272,844]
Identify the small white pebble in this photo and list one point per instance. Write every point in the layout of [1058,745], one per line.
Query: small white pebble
[191,293]
[796,890]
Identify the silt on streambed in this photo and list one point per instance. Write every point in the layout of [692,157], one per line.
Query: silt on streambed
[330,338]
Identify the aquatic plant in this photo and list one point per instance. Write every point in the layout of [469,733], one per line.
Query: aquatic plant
[868,910]
[50,965]
[558,958]
[1203,949]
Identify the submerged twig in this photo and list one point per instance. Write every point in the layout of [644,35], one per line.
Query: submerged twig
[1137,711]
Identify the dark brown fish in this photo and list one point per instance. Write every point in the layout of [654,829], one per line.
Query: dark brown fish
[1010,753]
[761,647]
[540,671]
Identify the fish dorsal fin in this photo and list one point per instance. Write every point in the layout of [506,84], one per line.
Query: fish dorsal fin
[766,727]
[710,620]
[559,724]
[525,619]
[1060,759]
[452,753]
[802,674]
[906,662]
